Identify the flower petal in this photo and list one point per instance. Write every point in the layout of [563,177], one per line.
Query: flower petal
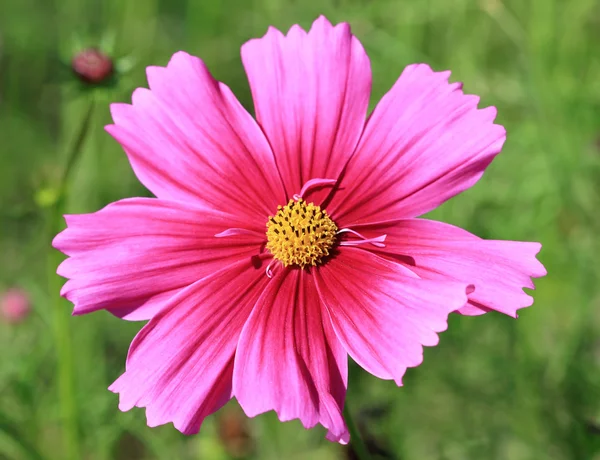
[133,255]
[382,312]
[188,138]
[425,142]
[180,364]
[499,270]
[288,357]
[311,94]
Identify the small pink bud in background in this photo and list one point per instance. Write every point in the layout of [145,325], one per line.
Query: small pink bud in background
[14,305]
[92,65]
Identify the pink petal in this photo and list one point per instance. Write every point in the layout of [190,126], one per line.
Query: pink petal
[311,93]
[188,138]
[288,357]
[425,142]
[499,270]
[382,313]
[180,364]
[133,255]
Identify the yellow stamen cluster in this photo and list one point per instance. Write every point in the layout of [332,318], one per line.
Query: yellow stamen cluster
[300,234]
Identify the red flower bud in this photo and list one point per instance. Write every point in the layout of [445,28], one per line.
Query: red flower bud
[92,66]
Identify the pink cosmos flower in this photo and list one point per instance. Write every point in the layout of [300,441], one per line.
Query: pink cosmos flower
[277,247]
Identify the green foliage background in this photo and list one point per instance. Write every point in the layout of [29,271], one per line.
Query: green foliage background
[495,388]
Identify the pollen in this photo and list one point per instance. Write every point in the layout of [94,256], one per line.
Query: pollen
[300,234]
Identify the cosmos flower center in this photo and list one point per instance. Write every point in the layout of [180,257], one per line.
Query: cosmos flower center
[300,234]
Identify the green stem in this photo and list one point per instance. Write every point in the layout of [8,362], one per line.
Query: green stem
[61,317]
[356,441]
[74,154]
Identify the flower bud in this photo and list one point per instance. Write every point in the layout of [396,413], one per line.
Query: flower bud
[92,66]
[14,305]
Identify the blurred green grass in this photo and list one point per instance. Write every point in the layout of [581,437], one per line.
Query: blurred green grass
[494,388]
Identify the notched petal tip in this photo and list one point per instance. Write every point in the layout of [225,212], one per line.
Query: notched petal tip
[446,143]
[323,21]
[490,113]
[283,414]
[119,111]
[296,31]
[322,26]
[110,129]
[124,405]
[400,312]
[319,25]
[64,270]
[539,270]
[443,79]
[458,301]
[343,438]
[182,64]
[180,56]
[58,240]
[272,33]
[142,98]
[65,290]
[424,70]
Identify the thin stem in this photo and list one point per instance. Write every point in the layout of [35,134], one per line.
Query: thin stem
[356,441]
[74,154]
[61,317]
